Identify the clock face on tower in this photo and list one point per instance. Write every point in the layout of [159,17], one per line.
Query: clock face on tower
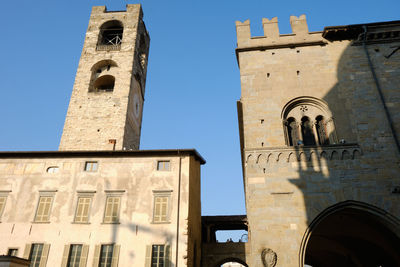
[136,106]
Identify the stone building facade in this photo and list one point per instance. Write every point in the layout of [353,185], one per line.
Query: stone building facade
[319,131]
[124,208]
[99,201]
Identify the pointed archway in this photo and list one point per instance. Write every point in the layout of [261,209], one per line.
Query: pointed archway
[352,234]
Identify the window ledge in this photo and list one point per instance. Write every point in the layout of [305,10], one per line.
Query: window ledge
[41,222]
[100,92]
[80,223]
[110,223]
[108,48]
[169,222]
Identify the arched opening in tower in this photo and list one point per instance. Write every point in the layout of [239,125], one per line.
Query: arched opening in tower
[110,34]
[104,84]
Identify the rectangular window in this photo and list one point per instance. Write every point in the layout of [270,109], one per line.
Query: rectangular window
[36,255]
[91,166]
[111,213]
[106,254]
[74,256]
[43,209]
[82,210]
[157,256]
[163,165]
[12,252]
[2,204]
[161,207]
[53,169]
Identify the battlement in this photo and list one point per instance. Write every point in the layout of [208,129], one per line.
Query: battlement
[103,9]
[272,39]
[130,8]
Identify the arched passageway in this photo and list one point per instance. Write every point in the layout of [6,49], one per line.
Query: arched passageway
[216,254]
[232,262]
[353,234]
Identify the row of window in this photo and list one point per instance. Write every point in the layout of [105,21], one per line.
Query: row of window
[93,166]
[308,121]
[105,255]
[306,129]
[111,211]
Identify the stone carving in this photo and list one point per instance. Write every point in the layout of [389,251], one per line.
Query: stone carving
[290,154]
[143,60]
[303,108]
[269,257]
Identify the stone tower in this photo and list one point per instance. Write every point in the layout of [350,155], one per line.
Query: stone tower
[105,110]
[318,122]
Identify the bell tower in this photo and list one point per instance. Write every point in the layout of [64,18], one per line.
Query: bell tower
[105,110]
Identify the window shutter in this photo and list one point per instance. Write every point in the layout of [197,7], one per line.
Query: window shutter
[96,257]
[167,254]
[45,253]
[65,256]
[114,262]
[157,212]
[147,262]
[84,254]
[27,251]
[164,202]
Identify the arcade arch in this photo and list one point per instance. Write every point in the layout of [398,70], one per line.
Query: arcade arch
[352,233]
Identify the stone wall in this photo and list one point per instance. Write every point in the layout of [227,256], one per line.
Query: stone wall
[96,117]
[287,187]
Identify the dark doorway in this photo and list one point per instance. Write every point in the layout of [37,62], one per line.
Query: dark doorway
[352,237]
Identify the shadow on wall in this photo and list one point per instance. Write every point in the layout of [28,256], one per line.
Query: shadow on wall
[136,228]
[346,179]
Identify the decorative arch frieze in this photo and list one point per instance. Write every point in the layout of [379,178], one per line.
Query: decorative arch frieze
[261,158]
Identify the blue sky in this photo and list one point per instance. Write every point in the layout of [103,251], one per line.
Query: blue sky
[193,78]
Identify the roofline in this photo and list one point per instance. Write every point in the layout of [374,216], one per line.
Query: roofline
[352,31]
[383,23]
[103,153]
